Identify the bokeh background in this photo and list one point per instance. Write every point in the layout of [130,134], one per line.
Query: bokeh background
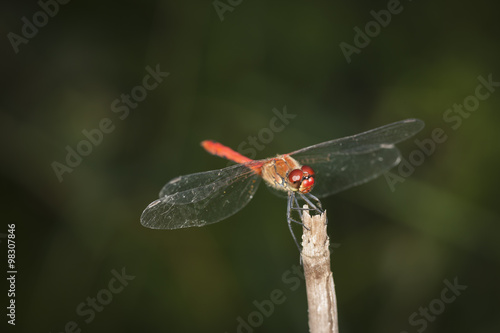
[392,250]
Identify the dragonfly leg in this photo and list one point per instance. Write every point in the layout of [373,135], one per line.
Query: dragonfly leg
[308,197]
[298,209]
[311,204]
[289,208]
[315,199]
[298,222]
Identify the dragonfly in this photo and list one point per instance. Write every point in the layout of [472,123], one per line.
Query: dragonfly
[305,175]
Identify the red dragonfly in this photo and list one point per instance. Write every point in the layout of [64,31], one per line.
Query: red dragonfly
[326,168]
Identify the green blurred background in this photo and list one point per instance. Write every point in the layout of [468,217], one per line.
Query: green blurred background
[392,251]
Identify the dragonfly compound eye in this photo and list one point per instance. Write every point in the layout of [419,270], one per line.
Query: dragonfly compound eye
[308,170]
[295,178]
[307,184]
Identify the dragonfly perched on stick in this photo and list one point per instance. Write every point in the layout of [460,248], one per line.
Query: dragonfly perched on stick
[307,174]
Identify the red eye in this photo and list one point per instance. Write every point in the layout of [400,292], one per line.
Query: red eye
[307,184]
[295,176]
[307,169]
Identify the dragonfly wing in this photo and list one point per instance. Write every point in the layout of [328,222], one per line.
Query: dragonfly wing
[276,192]
[343,163]
[202,198]
[348,170]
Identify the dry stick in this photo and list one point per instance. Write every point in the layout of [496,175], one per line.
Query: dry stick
[321,298]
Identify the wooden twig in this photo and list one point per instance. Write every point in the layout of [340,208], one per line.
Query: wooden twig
[321,299]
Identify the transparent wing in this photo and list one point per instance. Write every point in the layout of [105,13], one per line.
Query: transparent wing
[202,198]
[343,163]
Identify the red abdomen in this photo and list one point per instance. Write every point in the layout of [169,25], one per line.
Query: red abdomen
[220,150]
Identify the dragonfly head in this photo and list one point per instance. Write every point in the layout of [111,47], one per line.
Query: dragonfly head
[302,179]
